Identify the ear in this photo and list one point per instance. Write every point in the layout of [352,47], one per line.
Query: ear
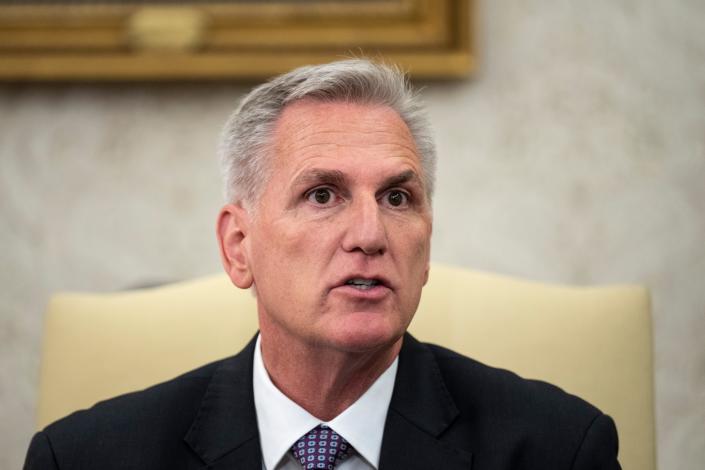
[232,230]
[425,272]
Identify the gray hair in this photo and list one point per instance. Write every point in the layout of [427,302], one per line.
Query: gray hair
[246,137]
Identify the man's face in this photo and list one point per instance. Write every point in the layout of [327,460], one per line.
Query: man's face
[339,246]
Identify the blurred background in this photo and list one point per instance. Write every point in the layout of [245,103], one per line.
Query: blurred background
[574,153]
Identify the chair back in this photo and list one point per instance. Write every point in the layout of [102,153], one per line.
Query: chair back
[594,342]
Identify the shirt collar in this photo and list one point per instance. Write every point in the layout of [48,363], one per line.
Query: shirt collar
[282,422]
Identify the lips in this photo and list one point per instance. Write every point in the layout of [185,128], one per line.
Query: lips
[362,283]
[363,280]
[361,286]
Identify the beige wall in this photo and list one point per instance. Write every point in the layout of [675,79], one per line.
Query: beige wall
[576,155]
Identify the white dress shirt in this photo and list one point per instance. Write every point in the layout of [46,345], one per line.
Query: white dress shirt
[282,422]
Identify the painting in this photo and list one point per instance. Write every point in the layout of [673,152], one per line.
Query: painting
[168,40]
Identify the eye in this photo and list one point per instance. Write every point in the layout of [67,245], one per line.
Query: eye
[397,198]
[320,196]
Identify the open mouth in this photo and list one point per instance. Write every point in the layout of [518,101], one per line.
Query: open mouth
[363,284]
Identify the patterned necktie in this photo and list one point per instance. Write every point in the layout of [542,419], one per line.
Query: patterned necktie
[321,447]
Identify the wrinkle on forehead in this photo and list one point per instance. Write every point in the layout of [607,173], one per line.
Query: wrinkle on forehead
[303,127]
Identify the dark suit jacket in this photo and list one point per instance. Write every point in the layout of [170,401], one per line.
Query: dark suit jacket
[447,412]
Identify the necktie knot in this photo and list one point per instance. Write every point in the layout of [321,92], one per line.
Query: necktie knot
[320,448]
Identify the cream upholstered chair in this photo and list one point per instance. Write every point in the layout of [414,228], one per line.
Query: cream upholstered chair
[593,342]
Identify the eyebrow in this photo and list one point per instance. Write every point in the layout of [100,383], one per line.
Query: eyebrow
[318,176]
[338,178]
[401,178]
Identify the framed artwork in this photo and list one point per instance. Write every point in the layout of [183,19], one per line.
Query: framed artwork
[112,40]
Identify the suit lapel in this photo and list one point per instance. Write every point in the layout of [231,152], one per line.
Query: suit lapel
[420,411]
[224,433]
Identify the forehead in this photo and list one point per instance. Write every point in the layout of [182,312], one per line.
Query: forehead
[313,129]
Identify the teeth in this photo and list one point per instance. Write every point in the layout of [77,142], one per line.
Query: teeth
[362,283]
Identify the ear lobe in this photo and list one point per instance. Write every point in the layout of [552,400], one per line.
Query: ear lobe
[232,229]
[425,273]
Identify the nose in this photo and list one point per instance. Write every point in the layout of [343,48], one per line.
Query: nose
[364,228]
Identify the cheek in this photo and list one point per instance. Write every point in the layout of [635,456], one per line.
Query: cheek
[299,247]
[294,238]
[414,250]
[414,238]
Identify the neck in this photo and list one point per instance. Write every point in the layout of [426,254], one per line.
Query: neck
[323,380]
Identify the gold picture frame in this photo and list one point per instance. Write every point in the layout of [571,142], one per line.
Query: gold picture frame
[109,40]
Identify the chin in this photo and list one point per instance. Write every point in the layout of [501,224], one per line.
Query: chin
[364,334]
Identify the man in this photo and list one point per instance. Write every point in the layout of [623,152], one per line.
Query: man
[329,176]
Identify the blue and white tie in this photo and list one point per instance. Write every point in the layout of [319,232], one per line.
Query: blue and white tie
[320,448]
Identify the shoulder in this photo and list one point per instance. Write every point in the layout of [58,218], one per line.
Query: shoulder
[148,421]
[530,419]
[144,406]
[475,386]
[472,381]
